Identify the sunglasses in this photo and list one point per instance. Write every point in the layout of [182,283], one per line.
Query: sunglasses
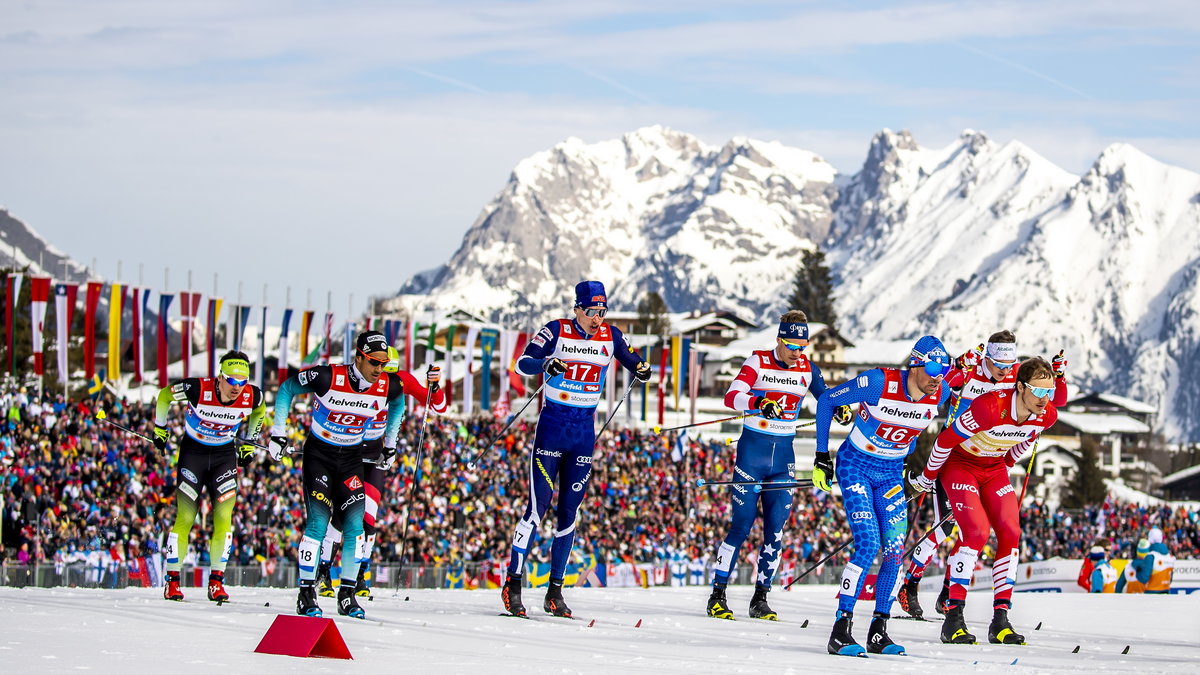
[233,381]
[1039,392]
[1001,366]
[792,345]
[594,311]
[378,363]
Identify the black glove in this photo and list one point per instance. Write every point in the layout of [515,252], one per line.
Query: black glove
[822,471]
[768,408]
[554,366]
[843,415]
[245,455]
[160,437]
[642,372]
[386,458]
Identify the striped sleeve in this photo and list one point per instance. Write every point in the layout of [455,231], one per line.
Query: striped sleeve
[739,396]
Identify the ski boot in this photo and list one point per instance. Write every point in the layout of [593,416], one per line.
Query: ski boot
[348,602]
[1001,632]
[718,606]
[758,605]
[878,641]
[841,642]
[554,600]
[908,599]
[324,583]
[363,587]
[942,606]
[171,590]
[511,596]
[216,587]
[954,628]
[306,600]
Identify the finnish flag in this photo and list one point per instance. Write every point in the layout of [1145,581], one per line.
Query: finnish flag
[680,446]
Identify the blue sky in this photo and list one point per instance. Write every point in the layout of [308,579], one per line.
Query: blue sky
[348,145]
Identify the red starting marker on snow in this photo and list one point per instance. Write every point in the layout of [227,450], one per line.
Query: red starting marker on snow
[304,636]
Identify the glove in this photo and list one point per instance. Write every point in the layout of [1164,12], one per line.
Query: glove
[822,471]
[843,415]
[433,375]
[968,360]
[277,446]
[554,367]
[245,455]
[386,458]
[768,408]
[160,437]
[642,372]
[1059,364]
[920,481]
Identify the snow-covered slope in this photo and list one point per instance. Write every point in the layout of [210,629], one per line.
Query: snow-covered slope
[660,630]
[21,245]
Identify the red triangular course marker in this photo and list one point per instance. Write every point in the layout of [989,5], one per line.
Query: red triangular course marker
[304,636]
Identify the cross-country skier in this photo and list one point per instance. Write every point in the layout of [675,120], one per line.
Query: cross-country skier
[377,461]
[346,398]
[972,457]
[973,375]
[895,406]
[575,355]
[210,455]
[773,382]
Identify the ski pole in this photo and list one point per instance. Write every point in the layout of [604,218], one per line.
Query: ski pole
[1028,473]
[832,553]
[618,407]
[413,486]
[767,487]
[471,463]
[701,482]
[749,413]
[102,416]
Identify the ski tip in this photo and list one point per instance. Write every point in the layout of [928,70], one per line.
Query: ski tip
[1039,626]
[591,623]
[266,604]
[805,624]
[1014,662]
[638,624]
[406,598]
[1076,650]
[1126,650]
[370,598]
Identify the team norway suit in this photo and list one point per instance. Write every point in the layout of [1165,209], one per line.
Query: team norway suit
[344,403]
[765,453]
[870,470]
[565,436]
[971,458]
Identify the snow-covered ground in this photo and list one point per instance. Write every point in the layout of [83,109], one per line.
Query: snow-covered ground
[444,631]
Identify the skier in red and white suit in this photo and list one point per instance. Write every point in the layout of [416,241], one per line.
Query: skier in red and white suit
[975,373]
[971,458]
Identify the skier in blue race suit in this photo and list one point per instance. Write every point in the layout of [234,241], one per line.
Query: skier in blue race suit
[771,382]
[575,355]
[894,407]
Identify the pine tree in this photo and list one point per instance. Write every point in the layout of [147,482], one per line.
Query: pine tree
[652,315]
[1087,485]
[812,289]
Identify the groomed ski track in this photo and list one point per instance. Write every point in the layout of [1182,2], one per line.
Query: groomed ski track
[453,631]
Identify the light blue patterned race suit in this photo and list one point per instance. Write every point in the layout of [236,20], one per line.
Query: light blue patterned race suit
[562,446]
[764,453]
[870,471]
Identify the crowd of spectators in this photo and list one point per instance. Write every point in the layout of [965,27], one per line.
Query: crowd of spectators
[74,485]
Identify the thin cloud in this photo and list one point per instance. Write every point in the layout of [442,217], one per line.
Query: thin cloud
[447,80]
[618,86]
[1025,69]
